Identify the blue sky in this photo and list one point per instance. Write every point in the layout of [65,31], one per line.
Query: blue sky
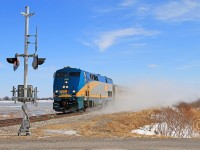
[129,41]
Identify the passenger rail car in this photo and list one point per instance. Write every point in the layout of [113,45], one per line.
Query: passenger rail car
[76,89]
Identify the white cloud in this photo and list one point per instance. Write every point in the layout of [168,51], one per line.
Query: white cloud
[85,43]
[118,7]
[172,10]
[127,3]
[143,9]
[107,39]
[181,10]
[105,10]
[138,44]
[153,66]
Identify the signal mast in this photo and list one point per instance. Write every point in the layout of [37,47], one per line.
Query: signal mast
[25,92]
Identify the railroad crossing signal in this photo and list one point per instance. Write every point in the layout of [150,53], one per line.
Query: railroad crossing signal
[37,61]
[25,92]
[15,61]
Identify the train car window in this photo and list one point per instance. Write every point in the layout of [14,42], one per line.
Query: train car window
[109,80]
[61,74]
[74,74]
[94,77]
[87,93]
[109,93]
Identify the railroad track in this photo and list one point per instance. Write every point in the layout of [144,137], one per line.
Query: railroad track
[17,121]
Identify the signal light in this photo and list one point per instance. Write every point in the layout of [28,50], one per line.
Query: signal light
[37,61]
[15,61]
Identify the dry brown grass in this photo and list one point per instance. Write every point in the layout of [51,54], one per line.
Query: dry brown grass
[107,125]
[117,124]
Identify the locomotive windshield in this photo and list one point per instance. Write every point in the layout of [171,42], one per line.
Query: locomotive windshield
[66,74]
[61,74]
[74,74]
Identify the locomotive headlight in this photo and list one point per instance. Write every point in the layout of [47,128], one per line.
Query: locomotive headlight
[66,87]
[66,82]
[63,87]
[73,91]
[56,91]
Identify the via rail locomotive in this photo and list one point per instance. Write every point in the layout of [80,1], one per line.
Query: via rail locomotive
[75,89]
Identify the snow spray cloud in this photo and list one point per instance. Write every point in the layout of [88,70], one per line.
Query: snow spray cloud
[150,94]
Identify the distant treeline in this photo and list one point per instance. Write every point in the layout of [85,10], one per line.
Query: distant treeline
[10,99]
[193,104]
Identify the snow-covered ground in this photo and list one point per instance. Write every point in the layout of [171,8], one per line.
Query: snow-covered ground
[145,130]
[9,109]
[162,129]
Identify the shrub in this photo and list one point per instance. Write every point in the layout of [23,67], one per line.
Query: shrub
[176,121]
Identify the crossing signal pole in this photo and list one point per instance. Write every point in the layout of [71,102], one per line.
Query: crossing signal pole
[25,92]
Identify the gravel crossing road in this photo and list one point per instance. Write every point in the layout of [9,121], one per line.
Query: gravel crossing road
[102,144]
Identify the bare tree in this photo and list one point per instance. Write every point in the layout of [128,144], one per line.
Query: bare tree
[6,98]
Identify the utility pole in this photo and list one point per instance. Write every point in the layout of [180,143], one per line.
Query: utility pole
[26,15]
[23,90]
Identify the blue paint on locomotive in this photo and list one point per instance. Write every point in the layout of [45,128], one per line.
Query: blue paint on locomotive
[70,85]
